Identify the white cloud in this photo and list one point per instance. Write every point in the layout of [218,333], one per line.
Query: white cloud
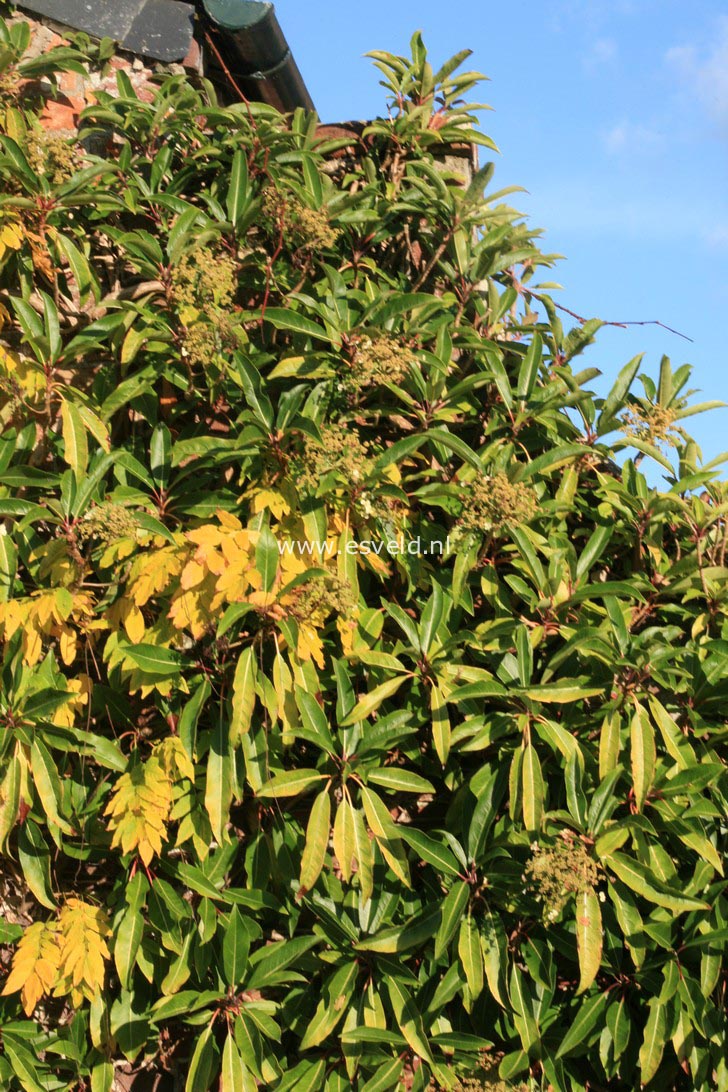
[705,70]
[594,15]
[601,52]
[631,138]
[717,236]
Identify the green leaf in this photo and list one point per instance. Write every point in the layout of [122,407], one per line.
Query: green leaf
[235,948]
[364,855]
[654,1041]
[385,1077]
[8,565]
[126,944]
[344,838]
[400,938]
[620,1026]
[160,452]
[609,744]
[586,1019]
[408,1018]
[237,199]
[233,1074]
[203,1063]
[198,882]
[269,961]
[489,791]
[219,780]
[155,660]
[284,319]
[243,701]
[23,1064]
[337,992]
[186,1002]
[441,730]
[430,850]
[432,616]
[637,877]
[521,1003]
[532,788]
[75,444]
[371,702]
[48,785]
[387,835]
[80,268]
[452,910]
[314,718]
[304,1077]
[615,400]
[395,779]
[266,558]
[495,955]
[102,1077]
[317,841]
[290,783]
[471,958]
[561,695]
[528,372]
[35,861]
[643,755]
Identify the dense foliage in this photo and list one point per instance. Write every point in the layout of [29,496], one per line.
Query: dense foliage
[292,796]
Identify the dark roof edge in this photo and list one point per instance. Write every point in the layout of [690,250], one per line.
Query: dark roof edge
[160,30]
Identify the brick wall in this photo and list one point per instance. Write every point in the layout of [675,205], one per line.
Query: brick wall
[61,112]
[75,92]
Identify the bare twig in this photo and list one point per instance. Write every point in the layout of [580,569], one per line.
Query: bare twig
[581,319]
[230,78]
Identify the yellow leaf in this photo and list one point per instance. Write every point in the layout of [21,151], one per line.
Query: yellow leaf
[80,688]
[139,808]
[67,644]
[309,645]
[230,522]
[75,442]
[151,573]
[11,238]
[271,500]
[192,575]
[588,936]
[175,761]
[134,624]
[36,965]
[83,950]
[32,646]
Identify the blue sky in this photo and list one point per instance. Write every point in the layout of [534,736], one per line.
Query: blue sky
[613,114]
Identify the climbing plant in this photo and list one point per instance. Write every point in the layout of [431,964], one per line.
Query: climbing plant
[363,698]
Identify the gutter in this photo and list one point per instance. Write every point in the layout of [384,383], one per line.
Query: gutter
[253,55]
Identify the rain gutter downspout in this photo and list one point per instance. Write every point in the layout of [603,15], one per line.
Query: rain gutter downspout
[249,39]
